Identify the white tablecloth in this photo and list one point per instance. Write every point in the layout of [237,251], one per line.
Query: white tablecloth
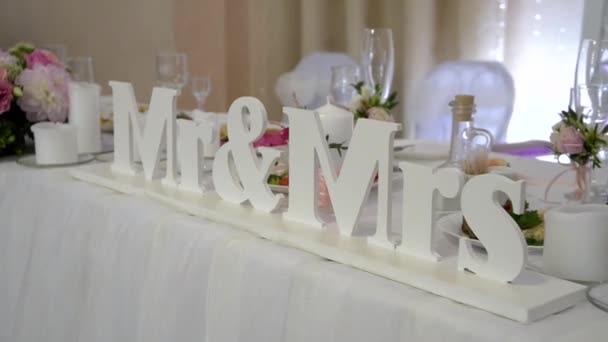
[82,263]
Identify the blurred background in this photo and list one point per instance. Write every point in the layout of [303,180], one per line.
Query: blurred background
[244,46]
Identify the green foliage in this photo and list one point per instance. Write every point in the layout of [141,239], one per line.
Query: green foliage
[13,70]
[19,51]
[13,129]
[338,146]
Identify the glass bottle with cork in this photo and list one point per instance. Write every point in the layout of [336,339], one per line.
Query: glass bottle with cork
[469,146]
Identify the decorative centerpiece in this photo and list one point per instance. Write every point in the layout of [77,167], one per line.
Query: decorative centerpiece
[33,88]
[368,103]
[581,143]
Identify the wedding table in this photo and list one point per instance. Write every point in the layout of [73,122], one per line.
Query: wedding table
[83,263]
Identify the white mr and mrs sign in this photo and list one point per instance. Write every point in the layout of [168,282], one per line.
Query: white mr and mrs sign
[240,176]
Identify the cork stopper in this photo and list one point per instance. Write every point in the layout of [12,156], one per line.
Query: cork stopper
[463,107]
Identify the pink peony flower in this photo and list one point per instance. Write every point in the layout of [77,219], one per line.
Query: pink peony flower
[45,93]
[41,57]
[569,140]
[6,96]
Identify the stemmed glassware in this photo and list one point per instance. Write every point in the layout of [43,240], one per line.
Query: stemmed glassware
[378,58]
[172,70]
[201,88]
[590,97]
[591,72]
[342,79]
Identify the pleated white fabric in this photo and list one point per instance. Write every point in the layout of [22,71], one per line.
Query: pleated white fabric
[81,263]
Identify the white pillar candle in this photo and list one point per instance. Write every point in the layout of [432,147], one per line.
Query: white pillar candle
[55,143]
[576,242]
[337,123]
[85,115]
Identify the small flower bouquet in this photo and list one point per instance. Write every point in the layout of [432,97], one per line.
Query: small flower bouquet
[368,103]
[581,142]
[33,87]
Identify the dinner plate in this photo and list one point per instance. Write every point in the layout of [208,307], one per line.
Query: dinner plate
[451,225]
[30,161]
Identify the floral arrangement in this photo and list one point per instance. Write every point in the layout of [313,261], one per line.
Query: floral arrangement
[368,103]
[33,87]
[581,142]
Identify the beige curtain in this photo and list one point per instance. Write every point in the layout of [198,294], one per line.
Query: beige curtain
[265,38]
[245,45]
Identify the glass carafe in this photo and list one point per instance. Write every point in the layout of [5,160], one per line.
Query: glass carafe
[467,143]
[469,146]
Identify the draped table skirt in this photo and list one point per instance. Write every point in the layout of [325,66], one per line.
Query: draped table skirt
[82,263]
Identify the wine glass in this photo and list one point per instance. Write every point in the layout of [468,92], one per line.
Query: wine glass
[172,70]
[81,69]
[343,77]
[201,88]
[378,58]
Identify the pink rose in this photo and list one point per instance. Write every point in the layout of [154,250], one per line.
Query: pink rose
[3,75]
[6,96]
[41,57]
[570,141]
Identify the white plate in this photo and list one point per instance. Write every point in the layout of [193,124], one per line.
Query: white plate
[451,225]
[421,150]
[30,161]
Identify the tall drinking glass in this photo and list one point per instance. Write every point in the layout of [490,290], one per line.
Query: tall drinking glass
[378,58]
[172,70]
[81,69]
[343,77]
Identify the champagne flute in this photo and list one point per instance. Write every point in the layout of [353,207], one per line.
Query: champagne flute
[378,59]
[172,70]
[342,79]
[201,88]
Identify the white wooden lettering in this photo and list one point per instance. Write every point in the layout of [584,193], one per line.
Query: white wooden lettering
[159,131]
[421,184]
[238,174]
[500,235]
[370,153]
[194,138]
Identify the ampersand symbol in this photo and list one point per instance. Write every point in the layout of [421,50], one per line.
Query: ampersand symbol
[238,173]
